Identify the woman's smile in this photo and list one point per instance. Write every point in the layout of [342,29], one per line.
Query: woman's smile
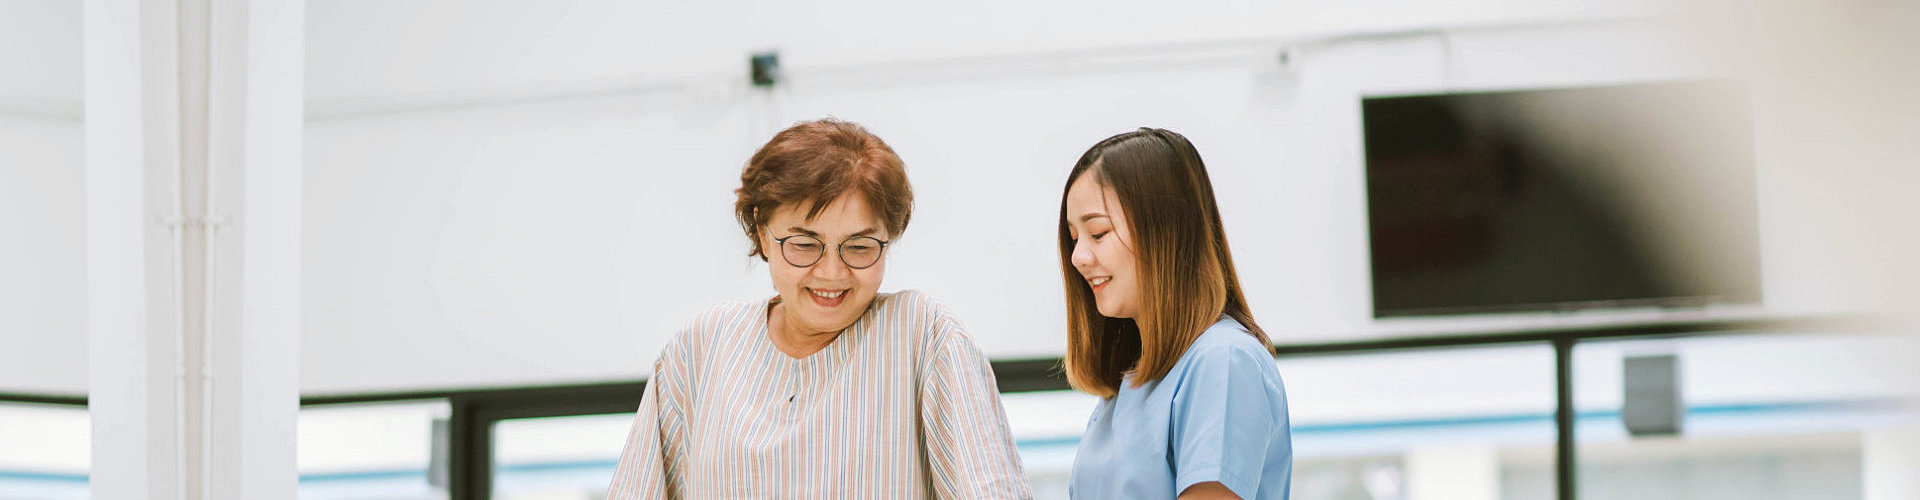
[827,298]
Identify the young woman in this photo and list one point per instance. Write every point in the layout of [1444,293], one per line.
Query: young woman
[1192,405]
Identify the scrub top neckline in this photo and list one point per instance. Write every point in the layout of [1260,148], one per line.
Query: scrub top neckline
[831,351]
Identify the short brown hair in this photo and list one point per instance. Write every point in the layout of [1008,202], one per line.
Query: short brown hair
[1186,274]
[816,162]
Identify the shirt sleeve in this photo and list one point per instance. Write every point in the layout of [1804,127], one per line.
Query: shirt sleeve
[968,444]
[1229,408]
[646,467]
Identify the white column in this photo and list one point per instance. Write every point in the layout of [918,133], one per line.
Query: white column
[132,154]
[193,134]
[1457,472]
[258,121]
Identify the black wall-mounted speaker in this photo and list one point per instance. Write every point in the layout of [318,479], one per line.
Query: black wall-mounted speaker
[766,68]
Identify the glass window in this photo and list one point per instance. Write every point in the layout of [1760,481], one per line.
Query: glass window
[1758,416]
[45,451]
[573,457]
[1046,431]
[1435,423]
[1444,422]
[557,458]
[370,451]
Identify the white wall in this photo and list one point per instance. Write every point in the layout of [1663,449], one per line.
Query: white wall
[457,237]
[371,48]
[42,342]
[42,207]
[40,50]
[487,245]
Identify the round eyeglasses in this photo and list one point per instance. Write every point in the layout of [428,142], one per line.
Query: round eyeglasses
[859,252]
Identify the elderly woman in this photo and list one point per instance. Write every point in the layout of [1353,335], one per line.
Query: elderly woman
[830,389]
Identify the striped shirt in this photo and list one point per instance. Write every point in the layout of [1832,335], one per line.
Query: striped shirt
[900,405]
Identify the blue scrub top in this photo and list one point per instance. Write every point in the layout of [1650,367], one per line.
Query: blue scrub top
[1219,415]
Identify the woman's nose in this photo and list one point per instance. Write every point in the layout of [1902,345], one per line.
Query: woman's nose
[1082,256]
[830,265]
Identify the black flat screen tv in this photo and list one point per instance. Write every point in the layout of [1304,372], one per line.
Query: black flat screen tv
[1638,195]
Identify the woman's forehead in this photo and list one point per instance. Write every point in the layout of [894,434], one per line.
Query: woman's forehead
[1088,197]
[843,215]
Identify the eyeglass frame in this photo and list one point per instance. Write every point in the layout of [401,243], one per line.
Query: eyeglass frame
[781,243]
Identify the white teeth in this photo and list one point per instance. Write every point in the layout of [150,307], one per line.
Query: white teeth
[1099,281]
[832,295]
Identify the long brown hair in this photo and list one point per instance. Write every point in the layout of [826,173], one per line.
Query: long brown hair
[1186,273]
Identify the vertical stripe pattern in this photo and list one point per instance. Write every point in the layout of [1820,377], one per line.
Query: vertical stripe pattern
[901,405]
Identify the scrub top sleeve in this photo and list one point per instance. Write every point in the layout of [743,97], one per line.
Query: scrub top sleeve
[1223,418]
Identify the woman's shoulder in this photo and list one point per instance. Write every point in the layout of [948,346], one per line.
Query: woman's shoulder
[712,322]
[719,314]
[908,297]
[911,306]
[1226,340]
[1222,358]
[720,317]
[919,316]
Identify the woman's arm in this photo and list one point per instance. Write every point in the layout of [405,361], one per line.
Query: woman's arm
[641,473]
[645,470]
[963,426]
[1210,490]
[1228,415]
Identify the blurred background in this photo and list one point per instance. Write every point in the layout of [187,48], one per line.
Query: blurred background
[1643,249]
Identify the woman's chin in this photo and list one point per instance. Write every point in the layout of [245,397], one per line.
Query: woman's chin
[830,320]
[820,313]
